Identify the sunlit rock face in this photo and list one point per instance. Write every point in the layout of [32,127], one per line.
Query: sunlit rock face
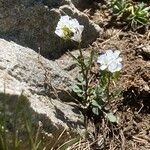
[40,88]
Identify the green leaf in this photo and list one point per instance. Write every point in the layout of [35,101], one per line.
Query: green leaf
[99,90]
[103,78]
[119,6]
[86,62]
[76,89]
[95,103]
[111,117]
[80,78]
[95,110]
[139,15]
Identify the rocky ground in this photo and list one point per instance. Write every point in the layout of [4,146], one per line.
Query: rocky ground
[133,107]
[46,82]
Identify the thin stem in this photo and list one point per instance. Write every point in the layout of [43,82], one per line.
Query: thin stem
[84,71]
[58,138]
[15,134]
[108,85]
[4,123]
[86,85]
[29,132]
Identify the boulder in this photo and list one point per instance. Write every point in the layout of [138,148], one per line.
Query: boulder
[44,85]
[32,23]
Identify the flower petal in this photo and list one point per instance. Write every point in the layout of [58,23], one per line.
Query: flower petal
[78,33]
[119,67]
[112,67]
[116,54]
[109,55]
[101,59]
[109,52]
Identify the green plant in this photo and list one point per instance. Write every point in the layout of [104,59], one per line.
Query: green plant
[19,119]
[97,96]
[93,96]
[134,14]
[100,96]
[81,88]
[119,7]
[139,14]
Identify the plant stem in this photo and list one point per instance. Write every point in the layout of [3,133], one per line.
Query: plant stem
[4,121]
[15,134]
[84,71]
[29,131]
[108,84]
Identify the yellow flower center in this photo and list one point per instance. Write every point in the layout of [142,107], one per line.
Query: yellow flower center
[67,32]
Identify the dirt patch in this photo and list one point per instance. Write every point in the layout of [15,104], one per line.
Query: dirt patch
[133,107]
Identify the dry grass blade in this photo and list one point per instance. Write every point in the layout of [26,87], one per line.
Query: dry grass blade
[58,138]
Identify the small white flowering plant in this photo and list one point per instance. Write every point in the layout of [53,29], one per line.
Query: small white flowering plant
[110,66]
[96,96]
[92,91]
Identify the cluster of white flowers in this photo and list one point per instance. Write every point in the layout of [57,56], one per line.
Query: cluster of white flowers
[110,61]
[69,28]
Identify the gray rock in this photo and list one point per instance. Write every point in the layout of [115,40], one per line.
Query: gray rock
[144,50]
[44,85]
[82,4]
[32,23]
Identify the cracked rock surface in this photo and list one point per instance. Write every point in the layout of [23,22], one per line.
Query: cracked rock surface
[23,71]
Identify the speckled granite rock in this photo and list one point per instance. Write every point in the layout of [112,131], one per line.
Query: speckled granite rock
[23,71]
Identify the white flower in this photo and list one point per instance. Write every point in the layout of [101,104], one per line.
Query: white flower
[110,61]
[69,28]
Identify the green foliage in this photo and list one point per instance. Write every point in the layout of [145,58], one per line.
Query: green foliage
[119,7]
[111,117]
[134,14]
[139,14]
[22,123]
[20,120]
[96,97]
[100,97]
[116,75]
[79,86]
